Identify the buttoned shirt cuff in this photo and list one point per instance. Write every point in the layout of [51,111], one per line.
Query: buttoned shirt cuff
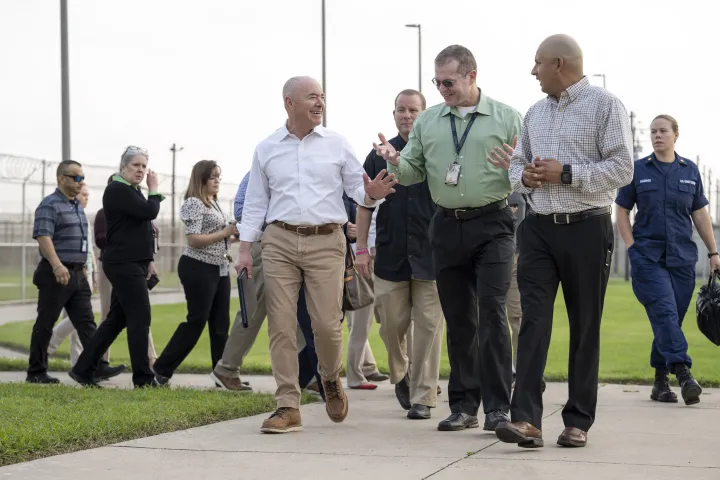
[249,234]
[359,198]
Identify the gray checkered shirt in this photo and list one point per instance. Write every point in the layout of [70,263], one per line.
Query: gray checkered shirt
[589,129]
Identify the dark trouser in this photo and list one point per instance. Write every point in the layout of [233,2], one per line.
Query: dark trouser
[665,292]
[307,357]
[52,298]
[129,307]
[473,266]
[577,255]
[208,302]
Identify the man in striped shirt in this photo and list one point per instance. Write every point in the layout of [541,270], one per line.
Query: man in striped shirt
[61,230]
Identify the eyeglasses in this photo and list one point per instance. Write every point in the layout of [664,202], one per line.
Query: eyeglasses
[446,83]
[76,178]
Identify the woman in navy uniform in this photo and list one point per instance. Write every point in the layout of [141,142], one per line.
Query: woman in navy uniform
[668,192]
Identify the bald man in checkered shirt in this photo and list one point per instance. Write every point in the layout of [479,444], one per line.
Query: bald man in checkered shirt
[575,151]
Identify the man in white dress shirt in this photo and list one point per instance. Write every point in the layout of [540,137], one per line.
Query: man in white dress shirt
[297,180]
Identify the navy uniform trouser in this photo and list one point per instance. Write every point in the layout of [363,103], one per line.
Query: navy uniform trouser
[665,292]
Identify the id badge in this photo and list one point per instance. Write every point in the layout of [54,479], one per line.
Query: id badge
[453,174]
[83,247]
[224,270]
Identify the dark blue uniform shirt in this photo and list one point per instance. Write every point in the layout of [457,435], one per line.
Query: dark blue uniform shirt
[666,196]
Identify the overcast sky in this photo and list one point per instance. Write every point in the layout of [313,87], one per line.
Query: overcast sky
[208,74]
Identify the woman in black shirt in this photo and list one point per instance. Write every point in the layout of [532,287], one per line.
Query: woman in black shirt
[128,263]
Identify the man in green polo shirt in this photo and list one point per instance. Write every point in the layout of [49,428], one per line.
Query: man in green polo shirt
[471,234]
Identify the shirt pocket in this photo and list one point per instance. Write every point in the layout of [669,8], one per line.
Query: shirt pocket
[685,195]
[647,194]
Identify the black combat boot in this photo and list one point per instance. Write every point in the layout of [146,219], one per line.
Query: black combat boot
[689,387]
[661,388]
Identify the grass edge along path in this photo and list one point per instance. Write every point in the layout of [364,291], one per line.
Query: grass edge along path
[76,419]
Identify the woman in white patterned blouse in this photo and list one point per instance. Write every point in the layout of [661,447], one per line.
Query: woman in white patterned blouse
[203,271]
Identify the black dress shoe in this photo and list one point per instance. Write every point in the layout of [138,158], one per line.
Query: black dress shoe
[458,421]
[43,378]
[419,412]
[161,380]
[494,418]
[85,382]
[402,392]
[106,372]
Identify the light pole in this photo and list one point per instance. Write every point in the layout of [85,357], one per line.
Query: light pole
[603,77]
[174,149]
[23,249]
[324,118]
[65,81]
[419,29]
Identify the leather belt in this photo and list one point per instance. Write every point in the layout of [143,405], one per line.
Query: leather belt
[568,218]
[470,213]
[326,229]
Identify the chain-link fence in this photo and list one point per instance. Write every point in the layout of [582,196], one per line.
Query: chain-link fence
[24,182]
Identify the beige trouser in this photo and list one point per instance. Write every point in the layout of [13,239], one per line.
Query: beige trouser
[319,261]
[396,304]
[360,359]
[241,339]
[65,326]
[514,311]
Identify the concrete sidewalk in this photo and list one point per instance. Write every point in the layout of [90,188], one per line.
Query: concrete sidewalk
[633,438]
[18,312]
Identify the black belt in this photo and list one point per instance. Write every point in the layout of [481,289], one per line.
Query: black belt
[568,218]
[68,265]
[470,213]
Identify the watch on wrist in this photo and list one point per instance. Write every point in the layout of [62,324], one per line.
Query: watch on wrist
[710,255]
[566,175]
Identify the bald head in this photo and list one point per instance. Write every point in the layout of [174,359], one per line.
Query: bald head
[298,85]
[565,47]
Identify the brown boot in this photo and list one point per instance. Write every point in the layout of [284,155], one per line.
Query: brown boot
[284,420]
[229,383]
[336,402]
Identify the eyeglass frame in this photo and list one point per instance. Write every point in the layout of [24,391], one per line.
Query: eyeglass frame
[451,82]
[132,149]
[76,178]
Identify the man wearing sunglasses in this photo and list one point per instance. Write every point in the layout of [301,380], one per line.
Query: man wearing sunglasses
[61,230]
[471,232]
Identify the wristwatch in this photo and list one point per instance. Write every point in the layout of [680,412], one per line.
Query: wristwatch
[710,255]
[566,175]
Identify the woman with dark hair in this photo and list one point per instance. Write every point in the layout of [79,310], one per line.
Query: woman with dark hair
[128,263]
[668,192]
[203,271]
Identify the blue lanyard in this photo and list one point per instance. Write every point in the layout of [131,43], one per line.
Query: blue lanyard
[459,145]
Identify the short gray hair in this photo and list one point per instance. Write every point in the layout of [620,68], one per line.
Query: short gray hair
[292,83]
[465,58]
[129,153]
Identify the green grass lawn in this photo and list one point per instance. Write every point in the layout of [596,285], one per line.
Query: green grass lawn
[39,421]
[626,339]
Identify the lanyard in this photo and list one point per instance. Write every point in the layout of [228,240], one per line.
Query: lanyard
[458,146]
[217,207]
[76,209]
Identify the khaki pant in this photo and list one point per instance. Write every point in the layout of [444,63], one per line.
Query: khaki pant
[514,311]
[396,305]
[65,326]
[360,360]
[319,261]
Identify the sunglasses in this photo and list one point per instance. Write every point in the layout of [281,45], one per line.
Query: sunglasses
[76,178]
[133,150]
[446,83]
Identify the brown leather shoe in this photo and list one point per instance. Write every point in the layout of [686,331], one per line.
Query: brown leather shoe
[522,433]
[283,420]
[572,437]
[336,402]
[229,383]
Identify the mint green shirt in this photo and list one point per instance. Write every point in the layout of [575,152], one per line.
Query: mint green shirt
[430,151]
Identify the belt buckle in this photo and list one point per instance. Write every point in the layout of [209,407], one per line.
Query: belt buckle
[458,210]
[561,215]
[305,228]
